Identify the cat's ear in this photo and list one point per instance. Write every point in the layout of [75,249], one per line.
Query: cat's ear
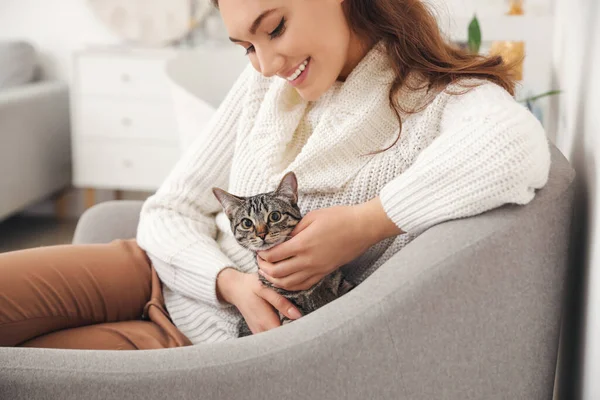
[229,201]
[288,187]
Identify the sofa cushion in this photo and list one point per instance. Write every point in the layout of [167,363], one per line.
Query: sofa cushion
[17,63]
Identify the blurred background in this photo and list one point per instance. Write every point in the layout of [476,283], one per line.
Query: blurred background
[98,99]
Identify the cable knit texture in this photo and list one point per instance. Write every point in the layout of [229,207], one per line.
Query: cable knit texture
[459,156]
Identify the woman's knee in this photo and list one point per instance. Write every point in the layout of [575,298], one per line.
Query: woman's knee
[72,285]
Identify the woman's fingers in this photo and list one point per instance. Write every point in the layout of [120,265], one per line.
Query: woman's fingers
[283,268]
[265,321]
[290,282]
[280,303]
[282,251]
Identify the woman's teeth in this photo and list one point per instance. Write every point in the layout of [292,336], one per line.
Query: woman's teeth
[297,73]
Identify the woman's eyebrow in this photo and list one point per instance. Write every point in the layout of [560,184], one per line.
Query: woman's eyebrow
[255,24]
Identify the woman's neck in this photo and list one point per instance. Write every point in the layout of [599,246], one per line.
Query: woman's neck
[356,51]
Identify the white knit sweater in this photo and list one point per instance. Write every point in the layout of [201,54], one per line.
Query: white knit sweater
[460,156]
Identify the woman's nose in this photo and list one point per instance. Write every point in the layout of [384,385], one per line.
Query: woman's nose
[270,63]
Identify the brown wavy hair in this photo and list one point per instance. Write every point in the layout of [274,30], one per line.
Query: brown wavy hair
[413,40]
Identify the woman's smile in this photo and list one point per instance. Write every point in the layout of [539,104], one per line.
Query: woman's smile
[299,74]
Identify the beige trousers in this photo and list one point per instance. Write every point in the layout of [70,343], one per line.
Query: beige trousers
[100,296]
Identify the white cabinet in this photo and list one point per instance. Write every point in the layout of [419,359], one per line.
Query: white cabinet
[125,135]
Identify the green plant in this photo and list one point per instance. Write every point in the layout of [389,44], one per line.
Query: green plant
[474,45]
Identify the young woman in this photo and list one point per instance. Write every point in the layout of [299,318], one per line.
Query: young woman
[389,130]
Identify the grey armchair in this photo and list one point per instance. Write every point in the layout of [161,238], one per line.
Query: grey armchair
[470,309]
[35,144]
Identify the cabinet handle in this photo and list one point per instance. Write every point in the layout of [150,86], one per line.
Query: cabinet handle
[126,121]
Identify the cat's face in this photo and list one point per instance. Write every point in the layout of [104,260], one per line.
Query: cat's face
[262,221]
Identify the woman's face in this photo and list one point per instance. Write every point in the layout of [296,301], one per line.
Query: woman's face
[306,42]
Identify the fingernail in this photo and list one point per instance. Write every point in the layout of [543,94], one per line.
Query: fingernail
[294,313]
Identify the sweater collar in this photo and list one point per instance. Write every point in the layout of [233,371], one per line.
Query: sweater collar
[356,120]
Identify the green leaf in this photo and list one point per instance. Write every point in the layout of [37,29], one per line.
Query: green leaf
[474,36]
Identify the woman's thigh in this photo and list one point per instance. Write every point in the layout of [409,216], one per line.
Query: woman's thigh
[126,335]
[46,289]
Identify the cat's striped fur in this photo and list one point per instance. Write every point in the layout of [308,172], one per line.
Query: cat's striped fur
[265,220]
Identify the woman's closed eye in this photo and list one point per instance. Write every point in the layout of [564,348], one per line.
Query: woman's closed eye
[278,31]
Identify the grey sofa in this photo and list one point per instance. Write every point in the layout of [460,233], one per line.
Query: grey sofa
[35,143]
[471,309]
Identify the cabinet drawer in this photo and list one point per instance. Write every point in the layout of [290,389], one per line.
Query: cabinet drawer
[126,166]
[101,117]
[131,76]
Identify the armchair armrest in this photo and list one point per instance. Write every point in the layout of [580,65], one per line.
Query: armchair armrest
[35,143]
[108,221]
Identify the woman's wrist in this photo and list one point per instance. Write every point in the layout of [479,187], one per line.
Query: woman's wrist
[226,281]
[375,222]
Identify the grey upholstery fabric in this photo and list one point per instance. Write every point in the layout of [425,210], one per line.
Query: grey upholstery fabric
[108,221]
[17,63]
[468,310]
[35,144]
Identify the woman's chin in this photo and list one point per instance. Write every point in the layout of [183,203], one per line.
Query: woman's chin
[309,94]
[313,90]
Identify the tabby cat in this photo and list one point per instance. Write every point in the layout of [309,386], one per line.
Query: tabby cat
[262,221]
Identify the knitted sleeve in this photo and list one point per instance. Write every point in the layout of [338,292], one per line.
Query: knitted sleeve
[490,151]
[177,226]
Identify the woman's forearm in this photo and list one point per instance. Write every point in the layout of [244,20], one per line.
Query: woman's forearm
[375,222]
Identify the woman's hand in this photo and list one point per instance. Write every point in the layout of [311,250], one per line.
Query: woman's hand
[256,301]
[323,241]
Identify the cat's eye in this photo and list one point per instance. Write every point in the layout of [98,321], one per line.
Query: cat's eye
[246,223]
[275,216]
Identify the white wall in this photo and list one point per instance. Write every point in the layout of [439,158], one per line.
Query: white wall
[56,28]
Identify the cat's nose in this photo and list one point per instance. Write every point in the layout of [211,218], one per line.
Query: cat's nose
[261,231]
